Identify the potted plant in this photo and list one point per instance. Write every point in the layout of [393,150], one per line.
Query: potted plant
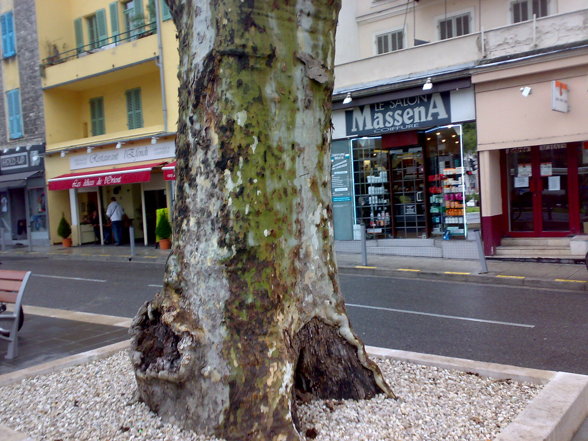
[64,231]
[163,231]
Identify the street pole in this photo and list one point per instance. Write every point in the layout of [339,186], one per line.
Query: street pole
[364,260]
[132,241]
[481,256]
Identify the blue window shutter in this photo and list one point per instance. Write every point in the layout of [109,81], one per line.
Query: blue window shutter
[14,114]
[11,34]
[8,41]
[97,116]
[139,14]
[79,34]
[114,29]
[134,110]
[102,31]
[138,109]
[165,12]
[10,104]
[129,109]
[4,33]
[152,19]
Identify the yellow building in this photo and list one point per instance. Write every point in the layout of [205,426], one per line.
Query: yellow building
[109,81]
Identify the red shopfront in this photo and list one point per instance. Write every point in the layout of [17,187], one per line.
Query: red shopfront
[547,190]
[139,189]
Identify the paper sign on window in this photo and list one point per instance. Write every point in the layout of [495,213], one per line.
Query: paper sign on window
[546,169]
[524,170]
[554,183]
[521,181]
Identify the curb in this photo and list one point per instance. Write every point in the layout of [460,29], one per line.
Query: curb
[484,279]
[88,257]
[555,414]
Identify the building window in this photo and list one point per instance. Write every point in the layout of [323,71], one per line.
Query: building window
[97,33]
[97,116]
[93,32]
[114,27]
[389,42]
[134,18]
[523,10]
[14,114]
[134,109]
[165,12]
[8,37]
[454,26]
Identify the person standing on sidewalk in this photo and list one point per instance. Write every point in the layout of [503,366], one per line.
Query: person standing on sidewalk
[115,213]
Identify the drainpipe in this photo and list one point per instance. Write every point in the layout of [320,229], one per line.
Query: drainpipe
[534,30]
[160,64]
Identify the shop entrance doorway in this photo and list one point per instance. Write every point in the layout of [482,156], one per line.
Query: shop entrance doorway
[543,190]
[154,199]
[408,187]
[18,214]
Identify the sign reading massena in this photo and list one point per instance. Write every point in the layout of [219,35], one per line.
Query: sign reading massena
[399,115]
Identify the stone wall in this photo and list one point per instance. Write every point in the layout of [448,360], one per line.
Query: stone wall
[27,59]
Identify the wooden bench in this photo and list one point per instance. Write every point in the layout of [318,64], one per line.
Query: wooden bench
[12,286]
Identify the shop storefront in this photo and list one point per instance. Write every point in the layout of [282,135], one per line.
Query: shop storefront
[133,174]
[23,210]
[407,167]
[547,189]
[534,151]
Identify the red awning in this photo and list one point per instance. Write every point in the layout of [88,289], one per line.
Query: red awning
[115,176]
[169,171]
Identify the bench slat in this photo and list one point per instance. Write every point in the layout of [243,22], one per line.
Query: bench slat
[6,297]
[10,285]
[12,275]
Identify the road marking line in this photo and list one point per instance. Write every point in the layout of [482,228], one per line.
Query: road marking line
[155,286]
[453,317]
[68,278]
[365,267]
[408,269]
[510,277]
[568,280]
[456,272]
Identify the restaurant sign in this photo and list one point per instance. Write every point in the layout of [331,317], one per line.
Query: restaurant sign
[125,155]
[399,115]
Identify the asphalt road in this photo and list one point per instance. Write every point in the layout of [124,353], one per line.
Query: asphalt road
[536,328]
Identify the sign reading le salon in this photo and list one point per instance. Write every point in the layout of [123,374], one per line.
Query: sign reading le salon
[399,115]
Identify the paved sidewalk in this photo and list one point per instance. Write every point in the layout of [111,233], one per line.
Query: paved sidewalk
[53,334]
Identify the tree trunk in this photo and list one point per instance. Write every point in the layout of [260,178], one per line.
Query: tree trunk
[251,312]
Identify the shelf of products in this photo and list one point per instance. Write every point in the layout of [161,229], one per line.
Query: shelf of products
[446,203]
[372,191]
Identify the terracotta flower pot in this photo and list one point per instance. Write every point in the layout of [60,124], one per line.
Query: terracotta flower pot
[164,244]
[66,242]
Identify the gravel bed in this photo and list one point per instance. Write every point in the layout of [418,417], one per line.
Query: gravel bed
[97,401]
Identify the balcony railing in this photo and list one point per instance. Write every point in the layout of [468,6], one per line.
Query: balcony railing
[99,45]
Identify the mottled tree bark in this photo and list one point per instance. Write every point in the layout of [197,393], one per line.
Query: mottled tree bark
[251,313]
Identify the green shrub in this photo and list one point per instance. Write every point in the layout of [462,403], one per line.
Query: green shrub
[163,228]
[63,229]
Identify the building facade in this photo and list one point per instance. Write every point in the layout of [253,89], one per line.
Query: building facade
[109,88]
[458,115]
[23,207]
